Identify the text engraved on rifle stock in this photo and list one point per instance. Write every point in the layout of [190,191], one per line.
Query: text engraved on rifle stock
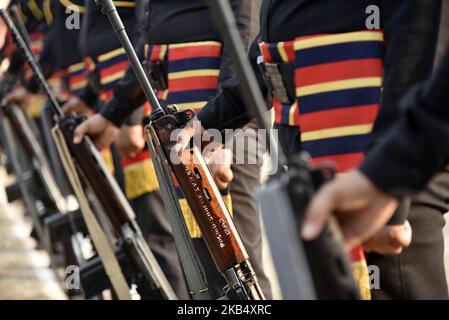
[203,203]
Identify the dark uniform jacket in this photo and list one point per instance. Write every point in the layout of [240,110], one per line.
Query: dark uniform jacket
[164,23]
[64,41]
[61,43]
[35,15]
[407,59]
[417,145]
[411,30]
[97,36]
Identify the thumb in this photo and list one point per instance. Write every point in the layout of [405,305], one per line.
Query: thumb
[405,236]
[66,109]
[80,131]
[226,175]
[318,212]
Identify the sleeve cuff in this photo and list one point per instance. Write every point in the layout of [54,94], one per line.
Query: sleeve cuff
[408,155]
[32,85]
[114,113]
[89,97]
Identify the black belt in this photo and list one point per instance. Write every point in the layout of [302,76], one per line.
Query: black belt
[280,80]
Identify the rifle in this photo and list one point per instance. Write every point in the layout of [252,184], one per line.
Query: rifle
[86,169]
[195,180]
[59,221]
[59,225]
[328,274]
[7,84]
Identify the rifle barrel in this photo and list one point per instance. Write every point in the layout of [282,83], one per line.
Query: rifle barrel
[20,25]
[250,92]
[117,24]
[18,38]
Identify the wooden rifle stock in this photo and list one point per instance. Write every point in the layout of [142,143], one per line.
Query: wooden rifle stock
[117,209]
[210,212]
[203,198]
[202,195]
[93,171]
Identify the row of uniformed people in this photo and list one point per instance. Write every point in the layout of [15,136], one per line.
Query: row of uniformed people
[95,70]
[192,64]
[92,61]
[342,80]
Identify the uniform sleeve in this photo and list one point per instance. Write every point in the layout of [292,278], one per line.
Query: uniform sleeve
[89,96]
[128,94]
[227,109]
[46,62]
[411,34]
[417,144]
[16,62]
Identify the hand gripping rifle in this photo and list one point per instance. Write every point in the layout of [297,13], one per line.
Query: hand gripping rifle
[195,180]
[325,267]
[85,168]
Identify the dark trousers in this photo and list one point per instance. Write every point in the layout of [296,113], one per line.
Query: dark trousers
[152,219]
[418,272]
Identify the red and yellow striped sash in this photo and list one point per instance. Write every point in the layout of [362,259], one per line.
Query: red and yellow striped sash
[338,80]
[112,67]
[76,75]
[193,71]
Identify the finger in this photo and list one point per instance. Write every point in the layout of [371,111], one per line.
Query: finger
[80,131]
[403,236]
[66,109]
[221,185]
[225,176]
[97,145]
[384,249]
[317,213]
[183,139]
[361,225]
[392,249]
[101,142]
[223,179]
